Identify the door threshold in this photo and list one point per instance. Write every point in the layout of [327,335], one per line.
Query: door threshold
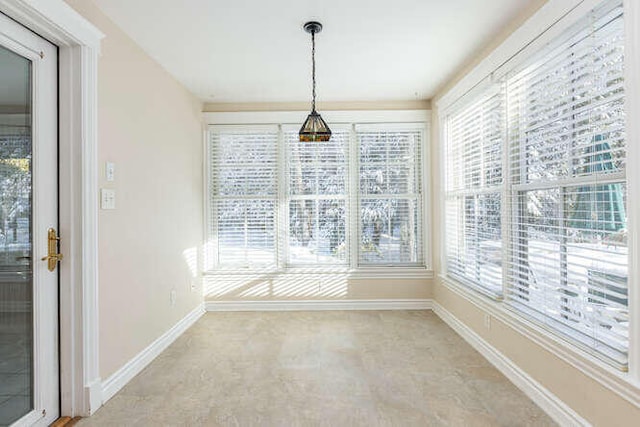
[65,422]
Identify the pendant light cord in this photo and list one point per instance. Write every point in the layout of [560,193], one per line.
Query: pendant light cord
[313,68]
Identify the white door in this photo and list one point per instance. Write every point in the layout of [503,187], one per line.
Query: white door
[29,384]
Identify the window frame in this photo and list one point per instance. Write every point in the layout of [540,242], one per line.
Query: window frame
[419,196]
[515,185]
[288,197]
[483,91]
[340,120]
[211,221]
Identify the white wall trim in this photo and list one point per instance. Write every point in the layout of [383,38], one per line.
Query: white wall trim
[552,405]
[297,117]
[320,305]
[54,20]
[618,382]
[78,44]
[133,367]
[632,107]
[391,273]
[349,274]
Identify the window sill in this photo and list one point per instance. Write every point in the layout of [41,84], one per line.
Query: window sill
[619,382]
[391,273]
[360,273]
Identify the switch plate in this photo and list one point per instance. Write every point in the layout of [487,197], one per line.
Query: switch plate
[110,171]
[107,198]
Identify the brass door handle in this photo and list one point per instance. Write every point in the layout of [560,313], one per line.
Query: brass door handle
[53,257]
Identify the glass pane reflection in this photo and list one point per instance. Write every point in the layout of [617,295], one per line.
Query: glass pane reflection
[16,285]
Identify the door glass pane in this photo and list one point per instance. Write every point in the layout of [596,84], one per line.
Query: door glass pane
[16,286]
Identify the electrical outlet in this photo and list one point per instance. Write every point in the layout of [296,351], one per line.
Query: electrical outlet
[487,321]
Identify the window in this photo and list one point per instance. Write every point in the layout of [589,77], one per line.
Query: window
[352,202]
[317,199]
[243,196]
[535,186]
[473,192]
[390,196]
[568,264]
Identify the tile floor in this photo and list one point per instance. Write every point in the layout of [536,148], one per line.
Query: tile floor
[362,368]
[15,366]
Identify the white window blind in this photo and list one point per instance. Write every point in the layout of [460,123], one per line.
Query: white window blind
[390,196]
[243,195]
[568,263]
[280,204]
[317,199]
[473,191]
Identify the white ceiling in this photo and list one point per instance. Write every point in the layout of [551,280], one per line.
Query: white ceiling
[256,50]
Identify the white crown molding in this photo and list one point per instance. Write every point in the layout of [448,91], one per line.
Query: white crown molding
[551,404]
[133,367]
[319,305]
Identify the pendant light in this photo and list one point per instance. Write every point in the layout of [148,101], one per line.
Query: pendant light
[314,128]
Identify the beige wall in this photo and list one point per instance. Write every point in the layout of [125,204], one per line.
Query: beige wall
[313,287]
[150,126]
[590,399]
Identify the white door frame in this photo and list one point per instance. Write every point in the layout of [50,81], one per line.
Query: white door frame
[43,78]
[78,48]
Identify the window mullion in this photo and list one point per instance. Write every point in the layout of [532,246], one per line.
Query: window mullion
[282,203]
[353,213]
[212,232]
[506,208]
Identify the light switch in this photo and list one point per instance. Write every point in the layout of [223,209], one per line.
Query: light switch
[110,171]
[107,198]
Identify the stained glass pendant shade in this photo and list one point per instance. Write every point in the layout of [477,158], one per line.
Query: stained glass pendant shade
[314,128]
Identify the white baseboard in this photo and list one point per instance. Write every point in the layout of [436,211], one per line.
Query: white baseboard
[552,405]
[133,367]
[93,396]
[318,305]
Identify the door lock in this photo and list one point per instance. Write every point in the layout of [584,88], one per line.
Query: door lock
[53,257]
